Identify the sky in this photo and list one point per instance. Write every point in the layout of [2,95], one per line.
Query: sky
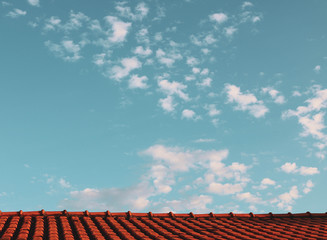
[202,106]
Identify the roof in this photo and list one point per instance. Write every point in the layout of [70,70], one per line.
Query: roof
[127,225]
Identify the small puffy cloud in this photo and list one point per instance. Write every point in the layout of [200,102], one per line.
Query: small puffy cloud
[245,101]
[188,114]
[128,65]
[265,183]
[167,104]
[192,61]
[52,23]
[134,198]
[308,187]
[143,52]
[99,59]
[224,189]
[173,88]
[274,94]
[229,31]
[138,82]
[35,3]
[256,19]
[212,110]
[204,140]
[247,4]
[75,22]
[16,13]
[317,68]
[248,197]
[167,58]
[67,50]
[141,11]
[293,168]
[296,94]
[196,204]
[63,183]
[119,29]
[218,17]
[286,200]
[205,82]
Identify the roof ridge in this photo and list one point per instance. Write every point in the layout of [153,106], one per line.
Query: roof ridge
[130,214]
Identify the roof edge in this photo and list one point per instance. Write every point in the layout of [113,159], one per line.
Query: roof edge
[130,214]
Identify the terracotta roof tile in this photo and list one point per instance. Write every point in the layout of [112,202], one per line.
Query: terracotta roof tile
[86,225]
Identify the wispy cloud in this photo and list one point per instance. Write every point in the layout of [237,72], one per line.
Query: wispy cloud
[16,13]
[293,168]
[245,101]
[66,50]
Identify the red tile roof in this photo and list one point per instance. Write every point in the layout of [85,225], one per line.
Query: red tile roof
[106,225]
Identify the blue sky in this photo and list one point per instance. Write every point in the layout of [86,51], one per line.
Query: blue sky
[163,105]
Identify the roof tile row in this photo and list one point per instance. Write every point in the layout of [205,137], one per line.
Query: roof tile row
[146,226]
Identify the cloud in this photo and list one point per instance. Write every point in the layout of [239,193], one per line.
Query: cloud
[188,114]
[248,197]
[205,82]
[173,88]
[35,3]
[128,65]
[247,4]
[229,31]
[192,61]
[256,19]
[138,82]
[133,198]
[293,168]
[66,50]
[224,189]
[141,11]
[218,17]
[16,13]
[63,183]
[167,58]
[212,110]
[119,29]
[311,116]
[308,187]
[204,140]
[286,200]
[317,68]
[143,52]
[265,183]
[75,22]
[167,104]
[245,102]
[275,95]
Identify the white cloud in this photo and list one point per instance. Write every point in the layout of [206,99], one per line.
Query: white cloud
[293,168]
[133,198]
[218,17]
[173,88]
[34,2]
[245,102]
[275,95]
[99,59]
[52,23]
[308,187]
[138,82]
[246,4]
[229,31]
[317,68]
[212,110]
[265,183]
[75,22]
[224,189]
[192,61]
[63,183]
[119,29]
[204,140]
[296,94]
[188,114]
[141,11]
[167,104]
[128,65]
[205,82]
[16,13]
[143,52]
[67,50]
[248,197]
[256,19]
[286,200]
[167,58]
